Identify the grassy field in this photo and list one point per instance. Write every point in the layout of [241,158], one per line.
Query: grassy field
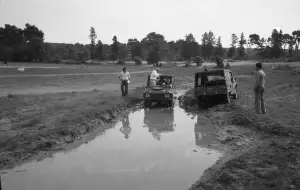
[60,108]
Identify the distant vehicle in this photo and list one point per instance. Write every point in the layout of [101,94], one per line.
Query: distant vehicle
[161,93]
[215,83]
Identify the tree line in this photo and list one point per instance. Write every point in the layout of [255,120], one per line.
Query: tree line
[28,45]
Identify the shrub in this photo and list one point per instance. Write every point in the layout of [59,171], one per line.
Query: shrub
[295,58]
[282,67]
[137,60]
[121,62]
[239,58]
[57,61]
[227,66]
[199,60]
[9,95]
[219,62]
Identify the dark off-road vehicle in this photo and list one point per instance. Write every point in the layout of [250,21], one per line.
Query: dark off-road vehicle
[215,83]
[161,93]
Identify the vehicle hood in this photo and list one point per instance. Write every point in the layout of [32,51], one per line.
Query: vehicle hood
[157,90]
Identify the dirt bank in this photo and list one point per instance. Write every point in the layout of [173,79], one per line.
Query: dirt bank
[261,151]
[31,124]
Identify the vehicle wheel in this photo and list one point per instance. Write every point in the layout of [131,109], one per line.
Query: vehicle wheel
[235,96]
[227,98]
[200,101]
[171,104]
[147,103]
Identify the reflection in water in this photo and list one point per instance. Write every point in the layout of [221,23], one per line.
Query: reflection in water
[125,129]
[204,131]
[109,162]
[159,121]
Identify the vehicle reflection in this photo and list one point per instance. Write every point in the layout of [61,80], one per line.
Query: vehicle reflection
[204,131]
[125,129]
[159,121]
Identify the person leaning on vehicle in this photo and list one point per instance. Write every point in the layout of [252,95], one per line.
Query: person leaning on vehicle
[153,77]
[124,76]
[259,89]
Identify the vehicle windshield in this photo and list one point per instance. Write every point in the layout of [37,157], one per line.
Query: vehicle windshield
[211,80]
[164,81]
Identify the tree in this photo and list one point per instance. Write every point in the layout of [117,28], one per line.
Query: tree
[276,43]
[208,42]
[83,55]
[114,49]
[204,44]
[219,51]
[34,38]
[153,42]
[137,51]
[241,49]
[93,37]
[261,48]
[190,38]
[285,40]
[211,43]
[189,48]
[155,45]
[153,57]
[291,42]
[99,51]
[135,47]
[254,39]
[234,40]
[296,35]
[232,50]
[21,44]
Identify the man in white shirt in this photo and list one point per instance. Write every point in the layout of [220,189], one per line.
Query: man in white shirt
[124,76]
[153,77]
[259,89]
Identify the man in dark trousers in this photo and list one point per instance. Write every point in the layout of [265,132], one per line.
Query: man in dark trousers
[124,76]
[259,89]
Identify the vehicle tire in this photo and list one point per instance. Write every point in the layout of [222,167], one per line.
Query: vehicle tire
[227,98]
[170,103]
[235,96]
[200,101]
[147,103]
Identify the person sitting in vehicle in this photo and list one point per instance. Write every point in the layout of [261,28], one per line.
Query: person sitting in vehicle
[164,82]
[154,77]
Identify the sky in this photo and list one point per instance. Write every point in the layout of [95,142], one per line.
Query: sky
[69,21]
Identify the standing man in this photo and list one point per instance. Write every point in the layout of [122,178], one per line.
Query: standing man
[124,76]
[259,89]
[153,77]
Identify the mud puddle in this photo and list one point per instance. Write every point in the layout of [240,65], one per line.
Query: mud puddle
[158,148]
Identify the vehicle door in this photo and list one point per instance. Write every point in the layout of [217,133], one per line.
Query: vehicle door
[228,81]
[232,83]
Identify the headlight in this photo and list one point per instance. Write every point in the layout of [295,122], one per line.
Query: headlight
[167,95]
[147,95]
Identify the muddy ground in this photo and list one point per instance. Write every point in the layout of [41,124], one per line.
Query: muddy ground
[261,152]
